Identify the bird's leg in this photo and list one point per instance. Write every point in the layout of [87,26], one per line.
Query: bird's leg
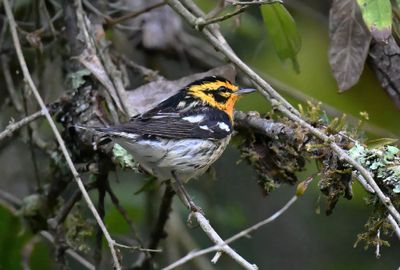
[184,195]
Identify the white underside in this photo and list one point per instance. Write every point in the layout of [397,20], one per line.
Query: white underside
[187,157]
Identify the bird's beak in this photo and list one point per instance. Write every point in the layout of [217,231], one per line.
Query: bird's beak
[243,91]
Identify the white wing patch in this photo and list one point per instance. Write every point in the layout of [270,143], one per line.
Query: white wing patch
[224,126]
[205,128]
[194,118]
[181,104]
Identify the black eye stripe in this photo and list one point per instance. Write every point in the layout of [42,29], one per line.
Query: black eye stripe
[219,98]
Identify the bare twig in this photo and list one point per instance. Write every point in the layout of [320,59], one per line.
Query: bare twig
[144,71]
[363,182]
[213,235]
[378,246]
[42,5]
[158,232]
[138,248]
[27,250]
[163,215]
[10,129]
[63,213]
[395,226]
[124,214]
[235,237]
[277,101]
[84,262]
[133,14]
[57,134]
[91,61]
[221,18]
[10,83]
[102,179]
[255,2]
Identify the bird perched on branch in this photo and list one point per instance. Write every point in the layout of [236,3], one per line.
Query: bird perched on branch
[182,136]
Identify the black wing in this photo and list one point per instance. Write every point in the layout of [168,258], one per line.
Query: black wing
[212,124]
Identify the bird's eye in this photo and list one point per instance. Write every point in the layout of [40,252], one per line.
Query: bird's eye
[223,89]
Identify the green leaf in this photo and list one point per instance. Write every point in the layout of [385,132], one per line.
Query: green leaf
[377,15]
[380,142]
[282,30]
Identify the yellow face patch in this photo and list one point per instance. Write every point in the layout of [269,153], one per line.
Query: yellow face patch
[200,90]
[212,86]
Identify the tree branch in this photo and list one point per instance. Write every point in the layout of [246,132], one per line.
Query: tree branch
[255,2]
[213,235]
[221,18]
[133,14]
[194,254]
[57,134]
[158,232]
[276,100]
[10,129]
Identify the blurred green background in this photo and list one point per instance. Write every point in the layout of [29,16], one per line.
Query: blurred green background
[301,238]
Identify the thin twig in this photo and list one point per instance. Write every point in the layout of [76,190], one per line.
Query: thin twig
[215,37]
[10,129]
[277,100]
[395,226]
[102,178]
[77,257]
[378,246]
[213,235]
[150,74]
[124,214]
[26,252]
[363,182]
[158,231]
[163,215]
[255,2]
[42,5]
[63,213]
[57,134]
[194,254]
[138,248]
[133,14]
[221,18]
[10,83]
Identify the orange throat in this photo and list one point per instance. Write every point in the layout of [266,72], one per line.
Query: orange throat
[229,105]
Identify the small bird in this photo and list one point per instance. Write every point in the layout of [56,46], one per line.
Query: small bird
[182,136]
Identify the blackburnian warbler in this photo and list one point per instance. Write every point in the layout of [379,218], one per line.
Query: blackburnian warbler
[183,135]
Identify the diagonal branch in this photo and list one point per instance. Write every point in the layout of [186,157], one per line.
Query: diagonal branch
[10,129]
[192,255]
[57,134]
[214,236]
[214,36]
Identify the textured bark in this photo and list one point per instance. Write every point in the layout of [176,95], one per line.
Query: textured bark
[385,61]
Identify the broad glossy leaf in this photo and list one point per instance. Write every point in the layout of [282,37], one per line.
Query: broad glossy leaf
[377,15]
[349,42]
[283,32]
